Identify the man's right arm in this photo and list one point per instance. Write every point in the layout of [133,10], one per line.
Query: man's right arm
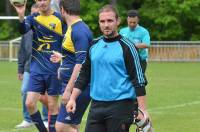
[25,25]
[145,42]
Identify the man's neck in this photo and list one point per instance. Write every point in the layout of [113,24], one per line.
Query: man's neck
[113,35]
[71,19]
[133,28]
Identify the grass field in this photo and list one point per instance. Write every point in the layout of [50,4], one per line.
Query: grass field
[173,97]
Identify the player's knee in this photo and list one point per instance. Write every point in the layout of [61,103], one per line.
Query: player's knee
[58,129]
[53,108]
[30,105]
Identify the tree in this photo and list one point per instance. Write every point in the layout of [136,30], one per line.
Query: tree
[172,19]
[165,19]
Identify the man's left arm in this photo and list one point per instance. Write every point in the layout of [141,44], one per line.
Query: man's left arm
[137,77]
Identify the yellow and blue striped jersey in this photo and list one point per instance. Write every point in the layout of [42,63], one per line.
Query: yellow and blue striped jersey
[47,37]
[74,47]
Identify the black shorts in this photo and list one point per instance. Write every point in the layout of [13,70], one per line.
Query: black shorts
[110,116]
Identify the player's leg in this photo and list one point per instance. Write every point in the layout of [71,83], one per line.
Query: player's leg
[31,103]
[69,122]
[27,122]
[53,110]
[44,101]
[45,115]
[36,87]
[62,127]
[95,119]
[120,117]
[53,90]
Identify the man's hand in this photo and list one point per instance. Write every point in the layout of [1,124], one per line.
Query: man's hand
[71,106]
[20,76]
[20,11]
[142,114]
[143,122]
[56,57]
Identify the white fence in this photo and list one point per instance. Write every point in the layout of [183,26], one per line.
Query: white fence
[175,51]
[9,49]
[179,51]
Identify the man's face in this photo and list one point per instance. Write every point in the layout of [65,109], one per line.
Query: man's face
[34,10]
[132,22]
[108,23]
[43,5]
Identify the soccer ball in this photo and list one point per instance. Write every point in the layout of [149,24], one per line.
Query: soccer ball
[18,2]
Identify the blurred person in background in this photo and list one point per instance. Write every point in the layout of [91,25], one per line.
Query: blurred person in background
[138,35]
[55,5]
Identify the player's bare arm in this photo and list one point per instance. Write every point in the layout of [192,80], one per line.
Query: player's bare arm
[70,85]
[20,11]
[71,105]
[142,106]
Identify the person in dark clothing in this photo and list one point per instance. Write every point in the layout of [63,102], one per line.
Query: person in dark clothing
[113,69]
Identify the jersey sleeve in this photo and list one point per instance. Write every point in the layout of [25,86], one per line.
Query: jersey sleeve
[146,38]
[81,43]
[25,26]
[133,66]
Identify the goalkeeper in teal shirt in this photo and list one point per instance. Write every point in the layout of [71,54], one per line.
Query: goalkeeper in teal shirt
[138,35]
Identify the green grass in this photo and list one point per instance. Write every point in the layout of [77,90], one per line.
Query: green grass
[173,97]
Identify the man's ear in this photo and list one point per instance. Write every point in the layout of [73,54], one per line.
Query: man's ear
[61,10]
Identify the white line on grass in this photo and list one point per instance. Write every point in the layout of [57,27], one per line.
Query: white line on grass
[12,130]
[158,109]
[173,106]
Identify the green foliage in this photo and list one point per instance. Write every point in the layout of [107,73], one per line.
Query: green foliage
[89,13]
[171,19]
[165,19]
[6,31]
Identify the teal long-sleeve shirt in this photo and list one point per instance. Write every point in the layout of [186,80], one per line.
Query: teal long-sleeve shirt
[113,69]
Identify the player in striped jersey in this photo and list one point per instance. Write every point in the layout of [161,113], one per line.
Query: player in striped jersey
[75,44]
[48,28]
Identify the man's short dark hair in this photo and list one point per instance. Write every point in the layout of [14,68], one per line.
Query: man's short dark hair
[133,13]
[34,5]
[108,8]
[72,7]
